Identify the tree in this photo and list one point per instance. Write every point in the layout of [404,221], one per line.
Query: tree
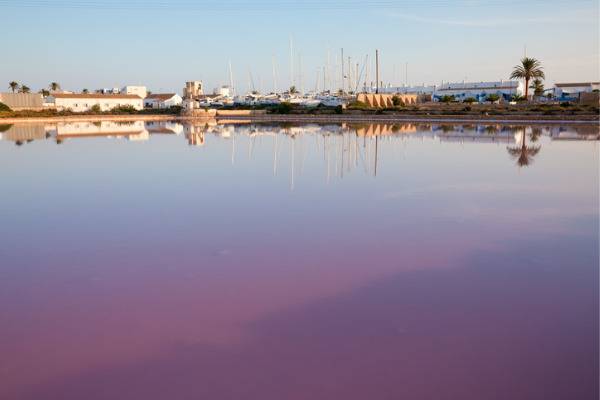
[447,99]
[85,91]
[529,69]
[397,101]
[24,89]
[492,97]
[54,86]
[470,100]
[13,86]
[523,153]
[293,90]
[44,92]
[538,87]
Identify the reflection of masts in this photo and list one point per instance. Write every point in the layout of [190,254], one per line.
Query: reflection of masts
[233,148]
[275,156]
[293,161]
[376,151]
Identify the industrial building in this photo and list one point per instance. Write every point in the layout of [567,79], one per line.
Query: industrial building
[573,91]
[480,91]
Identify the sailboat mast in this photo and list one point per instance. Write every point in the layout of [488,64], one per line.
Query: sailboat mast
[291,62]
[274,76]
[231,80]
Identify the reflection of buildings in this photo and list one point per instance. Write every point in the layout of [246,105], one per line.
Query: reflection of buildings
[164,128]
[574,133]
[384,129]
[132,130]
[22,133]
[474,133]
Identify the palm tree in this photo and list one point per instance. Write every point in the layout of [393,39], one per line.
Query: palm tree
[44,92]
[523,153]
[24,89]
[529,69]
[293,90]
[13,86]
[85,91]
[54,86]
[538,87]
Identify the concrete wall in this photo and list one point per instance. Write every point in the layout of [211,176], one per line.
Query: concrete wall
[22,101]
[385,100]
[239,113]
[592,99]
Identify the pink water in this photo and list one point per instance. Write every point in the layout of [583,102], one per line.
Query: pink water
[298,263]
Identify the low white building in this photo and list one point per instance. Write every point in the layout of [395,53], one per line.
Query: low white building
[406,89]
[506,90]
[571,91]
[84,102]
[137,90]
[223,91]
[162,100]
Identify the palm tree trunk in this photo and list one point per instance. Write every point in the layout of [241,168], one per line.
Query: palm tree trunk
[526,89]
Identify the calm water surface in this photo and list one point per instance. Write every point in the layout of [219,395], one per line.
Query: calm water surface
[172,261]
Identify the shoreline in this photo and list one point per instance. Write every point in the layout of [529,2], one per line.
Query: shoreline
[315,118]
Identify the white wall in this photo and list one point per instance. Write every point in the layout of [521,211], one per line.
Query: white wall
[106,104]
[136,90]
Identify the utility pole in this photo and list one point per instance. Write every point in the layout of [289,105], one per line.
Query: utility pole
[377,71]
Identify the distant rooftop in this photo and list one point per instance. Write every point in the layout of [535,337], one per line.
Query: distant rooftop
[161,96]
[93,96]
[577,84]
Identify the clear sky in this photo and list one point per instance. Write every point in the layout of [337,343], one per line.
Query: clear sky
[160,44]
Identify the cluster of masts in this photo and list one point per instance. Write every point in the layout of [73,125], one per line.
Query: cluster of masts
[343,76]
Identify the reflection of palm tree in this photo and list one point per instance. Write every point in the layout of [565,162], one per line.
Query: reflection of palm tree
[523,153]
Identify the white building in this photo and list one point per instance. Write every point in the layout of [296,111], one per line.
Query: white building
[571,91]
[84,102]
[137,90]
[506,90]
[406,89]
[223,91]
[162,100]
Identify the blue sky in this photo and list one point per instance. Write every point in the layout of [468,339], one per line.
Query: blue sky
[158,43]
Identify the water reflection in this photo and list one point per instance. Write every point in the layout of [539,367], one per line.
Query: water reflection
[134,265]
[523,153]
[344,147]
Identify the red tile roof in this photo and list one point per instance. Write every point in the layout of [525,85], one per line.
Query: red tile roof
[161,96]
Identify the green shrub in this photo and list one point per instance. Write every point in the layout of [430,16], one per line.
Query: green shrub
[124,109]
[282,108]
[4,107]
[470,100]
[397,101]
